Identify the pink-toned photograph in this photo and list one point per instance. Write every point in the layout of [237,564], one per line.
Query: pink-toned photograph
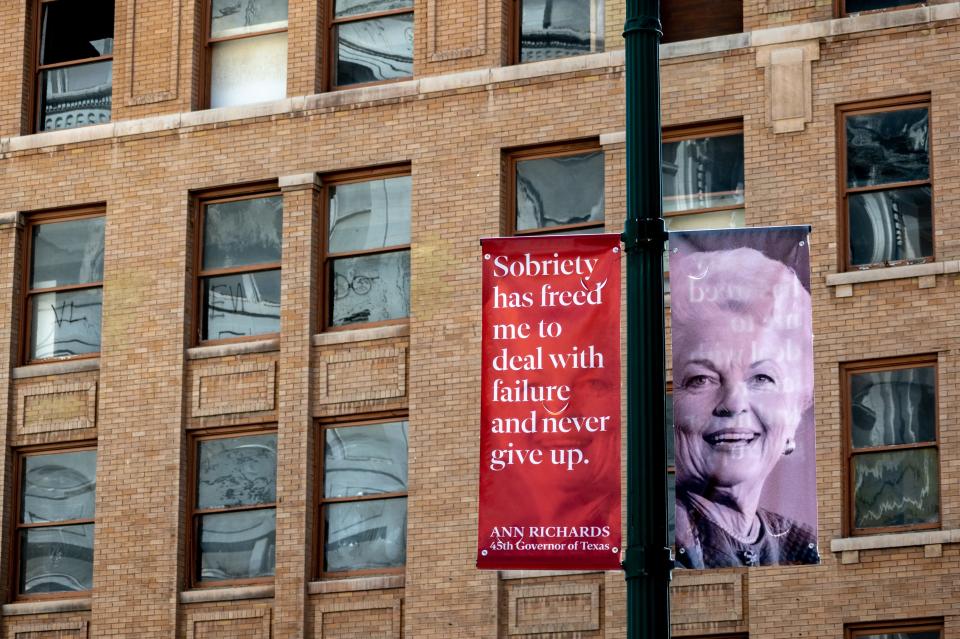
[743,398]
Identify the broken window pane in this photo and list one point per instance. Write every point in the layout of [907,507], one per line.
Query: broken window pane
[243,232]
[76,95]
[889,226]
[375,49]
[66,253]
[373,214]
[893,407]
[371,288]
[884,148]
[56,559]
[237,545]
[896,488]
[241,305]
[65,323]
[856,6]
[248,70]
[365,534]
[238,17]
[58,487]
[71,30]
[237,471]
[556,191]
[702,173]
[559,28]
[365,460]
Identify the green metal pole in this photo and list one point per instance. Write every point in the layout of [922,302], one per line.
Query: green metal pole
[647,564]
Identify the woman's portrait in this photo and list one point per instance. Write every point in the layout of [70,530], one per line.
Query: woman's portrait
[743,396]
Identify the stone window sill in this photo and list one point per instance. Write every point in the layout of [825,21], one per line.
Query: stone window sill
[931,540]
[361,334]
[926,275]
[50,606]
[236,348]
[56,368]
[237,593]
[357,584]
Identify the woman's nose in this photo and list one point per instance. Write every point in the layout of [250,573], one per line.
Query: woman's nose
[733,400]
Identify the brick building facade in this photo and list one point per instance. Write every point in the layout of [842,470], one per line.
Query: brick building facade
[211,382]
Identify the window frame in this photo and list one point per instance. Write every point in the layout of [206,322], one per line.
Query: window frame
[202,201]
[512,157]
[847,371]
[516,33]
[330,67]
[325,299]
[194,515]
[319,529]
[721,128]
[38,68]
[206,57]
[853,631]
[840,9]
[881,105]
[37,219]
[19,454]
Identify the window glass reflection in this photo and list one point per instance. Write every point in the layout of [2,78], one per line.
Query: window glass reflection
[58,487]
[702,173]
[242,305]
[896,488]
[371,288]
[346,8]
[243,232]
[71,30]
[237,471]
[365,460]
[556,191]
[889,226]
[238,17]
[371,214]
[56,559]
[884,148]
[893,407]
[238,545]
[77,95]
[365,534]
[65,253]
[857,6]
[374,50]
[559,28]
[65,323]
[248,70]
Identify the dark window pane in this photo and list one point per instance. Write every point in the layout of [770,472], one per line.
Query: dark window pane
[73,30]
[893,407]
[65,323]
[238,545]
[560,190]
[248,70]
[242,233]
[365,534]
[888,226]
[371,288]
[855,6]
[896,489]
[76,96]
[702,173]
[887,147]
[237,17]
[237,471]
[59,487]
[347,8]
[56,559]
[241,305]
[375,49]
[372,214]
[558,28]
[67,253]
[694,19]
[365,460]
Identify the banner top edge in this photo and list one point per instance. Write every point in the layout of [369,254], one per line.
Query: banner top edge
[787,227]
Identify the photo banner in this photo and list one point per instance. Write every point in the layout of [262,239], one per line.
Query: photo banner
[744,436]
[550,404]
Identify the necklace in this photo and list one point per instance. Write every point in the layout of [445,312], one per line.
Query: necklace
[754,526]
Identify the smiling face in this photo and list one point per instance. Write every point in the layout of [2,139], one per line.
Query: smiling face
[738,398]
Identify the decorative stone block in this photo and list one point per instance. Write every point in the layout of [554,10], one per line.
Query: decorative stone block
[556,607]
[45,408]
[789,84]
[153,26]
[360,620]
[237,388]
[66,630]
[704,598]
[361,374]
[252,623]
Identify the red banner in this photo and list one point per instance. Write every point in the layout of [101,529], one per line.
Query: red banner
[550,408]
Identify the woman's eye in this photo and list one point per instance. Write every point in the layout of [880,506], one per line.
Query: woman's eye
[697,381]
[762,379]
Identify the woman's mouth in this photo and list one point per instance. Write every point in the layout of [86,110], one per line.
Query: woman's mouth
[731,439]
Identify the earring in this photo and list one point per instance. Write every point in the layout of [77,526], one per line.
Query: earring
[789,447]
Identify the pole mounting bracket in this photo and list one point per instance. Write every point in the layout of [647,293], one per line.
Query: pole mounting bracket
[643,233]
[642,23]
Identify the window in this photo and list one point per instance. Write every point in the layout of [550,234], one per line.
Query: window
[363,505]
[74,64]
[367,262]
[246,52]
[239,267]
[234,508]
[372,41]
[694,19]
[55,519]
[64,287]
[886,183]
[547,29]
[897,630]
[556,189]
[848,7]
[890,417]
